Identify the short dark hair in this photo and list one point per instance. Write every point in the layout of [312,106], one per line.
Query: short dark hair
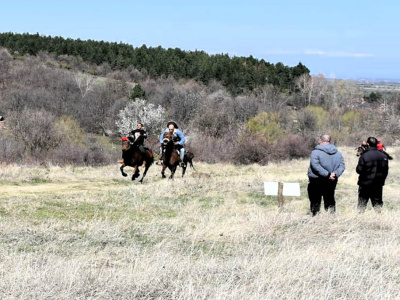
[141,124]
[372,142]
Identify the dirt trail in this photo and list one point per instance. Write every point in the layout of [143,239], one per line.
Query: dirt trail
[55,188]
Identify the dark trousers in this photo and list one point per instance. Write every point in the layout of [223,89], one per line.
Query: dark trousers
[373,192]
[319,188]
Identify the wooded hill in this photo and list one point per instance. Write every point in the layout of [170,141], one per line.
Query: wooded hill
[64,109]
[238,74]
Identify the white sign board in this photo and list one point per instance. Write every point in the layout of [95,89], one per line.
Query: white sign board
[289,188]
[271,188]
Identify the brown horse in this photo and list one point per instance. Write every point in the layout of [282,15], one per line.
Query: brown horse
[171,157]
[133,157]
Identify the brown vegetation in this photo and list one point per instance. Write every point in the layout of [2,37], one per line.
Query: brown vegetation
[66,115]
[89,233]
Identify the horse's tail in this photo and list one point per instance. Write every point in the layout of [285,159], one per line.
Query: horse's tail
[189,159]
[388,155]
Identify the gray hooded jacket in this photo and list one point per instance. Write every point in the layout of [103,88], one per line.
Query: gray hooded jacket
[325,159]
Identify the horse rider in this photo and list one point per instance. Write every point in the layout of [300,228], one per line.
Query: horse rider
[381,146]
[177,137]
[137,137]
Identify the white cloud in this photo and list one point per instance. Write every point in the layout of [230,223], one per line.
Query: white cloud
[318,52]
[336,54]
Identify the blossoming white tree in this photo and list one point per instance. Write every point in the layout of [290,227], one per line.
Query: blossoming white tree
[139,110]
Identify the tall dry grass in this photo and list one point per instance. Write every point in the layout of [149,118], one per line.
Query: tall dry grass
[89,233]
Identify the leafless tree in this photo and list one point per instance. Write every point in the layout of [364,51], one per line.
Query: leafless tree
[36,130]
[85,83]
[5,59]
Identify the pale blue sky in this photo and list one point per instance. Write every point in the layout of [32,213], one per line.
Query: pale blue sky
[340,39]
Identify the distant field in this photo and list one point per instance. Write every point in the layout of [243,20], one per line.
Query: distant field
[89,233]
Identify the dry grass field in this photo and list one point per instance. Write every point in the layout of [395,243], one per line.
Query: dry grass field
[89,233]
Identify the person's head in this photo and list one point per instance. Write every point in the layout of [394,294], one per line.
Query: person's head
[171,127]
[325,139]
[372,142]
[139,126]
[172,123]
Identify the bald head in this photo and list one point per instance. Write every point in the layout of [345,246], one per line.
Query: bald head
[325,138]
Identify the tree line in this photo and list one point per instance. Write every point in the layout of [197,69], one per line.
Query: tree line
[237,74]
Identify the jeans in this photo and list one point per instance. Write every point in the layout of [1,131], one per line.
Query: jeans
[182,151]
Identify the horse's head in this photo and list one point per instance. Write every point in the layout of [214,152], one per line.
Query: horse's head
[167,138]
[360,149]
[126,145]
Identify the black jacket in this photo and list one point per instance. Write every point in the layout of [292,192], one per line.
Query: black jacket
[137,136]
[373,167]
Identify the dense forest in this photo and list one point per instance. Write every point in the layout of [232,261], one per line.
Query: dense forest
[69,101]
[238,74]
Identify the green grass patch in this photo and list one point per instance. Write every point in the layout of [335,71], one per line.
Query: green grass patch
[72,212]
[210,202]
[260,199]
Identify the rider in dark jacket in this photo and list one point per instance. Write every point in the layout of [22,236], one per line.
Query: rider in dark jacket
[137,137]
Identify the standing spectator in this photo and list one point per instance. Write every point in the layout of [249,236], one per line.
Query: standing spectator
[373,168]
[326,166]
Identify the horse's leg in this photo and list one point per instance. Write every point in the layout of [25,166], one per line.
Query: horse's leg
[183,170]
[173,169]
[164,166]
[144,172]
[134,176]
[122,170]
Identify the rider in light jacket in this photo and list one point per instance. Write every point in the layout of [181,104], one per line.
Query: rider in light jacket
[178,138]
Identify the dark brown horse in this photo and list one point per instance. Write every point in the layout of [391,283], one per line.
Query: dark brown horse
[171,156]
[133,157]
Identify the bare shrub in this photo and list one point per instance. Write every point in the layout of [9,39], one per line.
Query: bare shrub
[252,149]
[217,117]
[5,59]
[70,154]
[185,101]
[95,110]
[15,100]
[245,107]
[135,75]
[11,150]
[292,147]
[306,121]
[211,149]
[270,98]
[70,131]
[36,130]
